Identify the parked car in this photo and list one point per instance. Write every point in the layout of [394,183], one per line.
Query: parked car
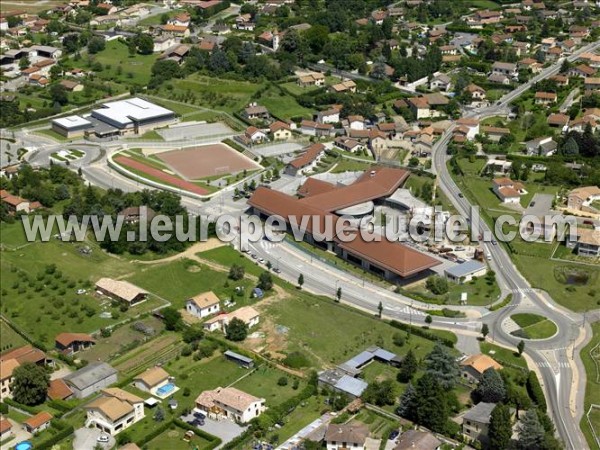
[103,438]
[199,415]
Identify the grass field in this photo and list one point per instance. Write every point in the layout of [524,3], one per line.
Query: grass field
[534,326]
[133,69]
[228,256]
[349,165]
[179,280]
[590,356]
[526,319]
[502,355]
[10,338]
[173,439]
[283,105]
[478,293]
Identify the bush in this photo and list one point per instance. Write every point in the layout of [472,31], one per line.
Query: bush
[283,381]
[422,333]
[55,439]
[437,285]
[296,360]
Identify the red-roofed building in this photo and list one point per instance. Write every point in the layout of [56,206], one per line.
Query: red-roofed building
[69,343]
[307,160]
[58,390]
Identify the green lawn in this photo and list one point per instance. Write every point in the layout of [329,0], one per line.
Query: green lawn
[541,330]
[228,256]
[349,165]
[283,105]
[10,338]
[502,355]
[133,69]
[590,356]
[526,319]
[293,88]
[179,280]
[478,291]
[173,440]
[263,383]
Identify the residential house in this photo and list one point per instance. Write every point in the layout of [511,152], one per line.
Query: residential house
[180,20]
[331,115]
[346,436]
[498,79]
[417,440]
[90,379]
[441,82]
[6,430]
[175,30]
[316,129]
[203,305]
[38,423]
[38,80]
[558,120]
[254,111]
[472,368]
[114,411]
[123,291]
[311,79]
[280,131]
[356,122]
[503,68]
[476,422]
[14,203]
[581,124]
[580,199]
[59,390]
[507,190]
[134,214]
[72,86]
[587,242]
[244,22]
[152,379]
[246,314]
[7,367]
[448,50]
[469,127]
[485,17]
[70,343]
[591,84]
[255,136]
[230,403]
[582,71]
[545,98]
[542,146]
[494,133]
[477,92]
[465,272]
[348,144]
[344,86]
[560,80]
[163,43]
[530,64]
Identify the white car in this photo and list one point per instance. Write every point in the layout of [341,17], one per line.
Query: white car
[103,438]
[261,260]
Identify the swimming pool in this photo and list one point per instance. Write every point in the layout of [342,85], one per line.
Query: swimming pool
[166,389]
[25,445]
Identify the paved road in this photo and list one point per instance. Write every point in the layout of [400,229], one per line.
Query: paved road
[551,356]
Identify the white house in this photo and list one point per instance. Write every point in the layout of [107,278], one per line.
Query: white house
[329,116]
[307,161]
[465,272]
[280,131]
[230,403]
[441,82]
[152,379]
[203,305]
[470,126]
[346,436]
[114,411]
[255,135]
[507,190]
[506,69]
[356,122]
[246,314]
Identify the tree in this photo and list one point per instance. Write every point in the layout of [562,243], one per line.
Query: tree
[441,364]
[380,309]
[491,387]
[59,94]
[407,405]
[338,294]
[520,347]
[145,44]
[172,319]
[164,18]
[428,319]
[283,381]
[265,281]
[531,431]
[413,161]
[500,428]
[159,415]
[96,44]
[570,147]
[437,285]
[380,393]
[192,334]
[485,330]
[30,384]
[237,330]
[236,272]
[431,405]
[408,367]
[300,280]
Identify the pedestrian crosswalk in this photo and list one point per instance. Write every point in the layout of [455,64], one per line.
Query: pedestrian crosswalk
[523,291]
[553,365]
[405,309]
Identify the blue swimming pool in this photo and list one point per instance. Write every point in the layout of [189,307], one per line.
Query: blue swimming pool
[25,445]
[166,389]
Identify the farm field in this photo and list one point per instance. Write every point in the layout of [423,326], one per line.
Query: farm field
[10,338]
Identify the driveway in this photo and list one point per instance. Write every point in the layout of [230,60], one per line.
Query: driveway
[224,429]
[19,435]
[87,439]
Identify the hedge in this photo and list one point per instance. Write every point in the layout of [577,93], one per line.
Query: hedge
[422,333]
[3,408]
[535,390]
[29,409]
[52,441]
[60,405]
[214,440]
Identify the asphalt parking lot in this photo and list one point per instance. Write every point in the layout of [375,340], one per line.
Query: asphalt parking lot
[193,131]
[224,429]
[87,439]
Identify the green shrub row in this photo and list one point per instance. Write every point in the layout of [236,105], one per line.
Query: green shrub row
[52,441]
[422,333]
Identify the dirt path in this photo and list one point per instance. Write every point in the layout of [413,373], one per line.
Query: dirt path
[189,253]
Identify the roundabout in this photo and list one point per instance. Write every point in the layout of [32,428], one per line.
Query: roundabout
[530,326]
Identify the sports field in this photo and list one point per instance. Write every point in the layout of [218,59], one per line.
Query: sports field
[204,161]
[159,175]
